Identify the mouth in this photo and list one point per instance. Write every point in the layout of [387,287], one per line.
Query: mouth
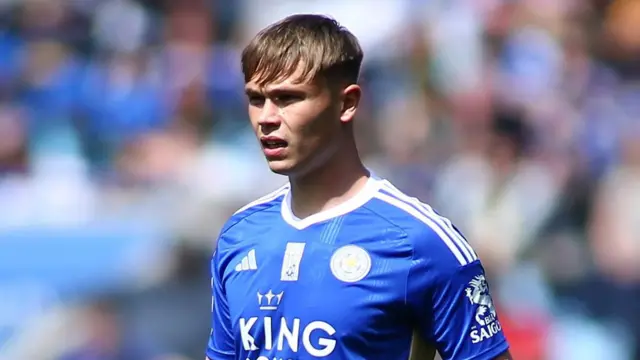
[272,143]
[274,148]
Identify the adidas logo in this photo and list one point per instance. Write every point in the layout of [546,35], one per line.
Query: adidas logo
[248,262]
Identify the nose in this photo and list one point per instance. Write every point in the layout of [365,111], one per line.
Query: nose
[270,115]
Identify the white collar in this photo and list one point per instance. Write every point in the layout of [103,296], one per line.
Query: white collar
[370,189]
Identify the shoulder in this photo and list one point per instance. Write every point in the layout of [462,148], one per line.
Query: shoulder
[254,208]
[433,237]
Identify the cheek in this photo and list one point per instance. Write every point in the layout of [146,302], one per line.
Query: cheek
[313,125]
[304,125]
[315,137]
[254,116]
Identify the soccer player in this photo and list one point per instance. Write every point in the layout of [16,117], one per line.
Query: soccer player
[336,264]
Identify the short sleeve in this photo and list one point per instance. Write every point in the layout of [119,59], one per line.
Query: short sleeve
[221,341]
[454,310]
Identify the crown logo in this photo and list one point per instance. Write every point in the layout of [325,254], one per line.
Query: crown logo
[269,301]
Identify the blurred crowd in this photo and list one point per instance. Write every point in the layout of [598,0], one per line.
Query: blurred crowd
[124,145]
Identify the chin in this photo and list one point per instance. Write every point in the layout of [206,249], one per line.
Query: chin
[290,168]
[282,167]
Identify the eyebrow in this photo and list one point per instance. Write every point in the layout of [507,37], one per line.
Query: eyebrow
[252,91]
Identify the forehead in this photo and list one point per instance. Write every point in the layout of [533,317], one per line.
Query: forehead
[298,80]
[290,83]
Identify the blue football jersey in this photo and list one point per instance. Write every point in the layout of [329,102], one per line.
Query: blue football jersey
[361,281]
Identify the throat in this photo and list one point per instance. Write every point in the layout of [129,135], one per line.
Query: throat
[317,193]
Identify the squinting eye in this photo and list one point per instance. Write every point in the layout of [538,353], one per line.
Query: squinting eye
[256,100]
[286,99]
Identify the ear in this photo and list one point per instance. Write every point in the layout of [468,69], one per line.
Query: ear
[350,100]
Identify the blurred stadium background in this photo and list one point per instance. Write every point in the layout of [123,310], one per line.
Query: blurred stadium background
[124,144]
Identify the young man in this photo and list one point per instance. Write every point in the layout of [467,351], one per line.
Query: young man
[336,264]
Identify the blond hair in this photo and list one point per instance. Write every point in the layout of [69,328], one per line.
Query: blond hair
[316,46]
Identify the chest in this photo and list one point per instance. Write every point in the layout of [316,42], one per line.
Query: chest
[326,282]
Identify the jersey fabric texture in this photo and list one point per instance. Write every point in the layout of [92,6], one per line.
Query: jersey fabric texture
[358,281]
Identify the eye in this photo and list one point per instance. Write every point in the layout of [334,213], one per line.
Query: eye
[286,99]
[256,100]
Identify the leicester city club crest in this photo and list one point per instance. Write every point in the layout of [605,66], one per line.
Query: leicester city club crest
[350,263]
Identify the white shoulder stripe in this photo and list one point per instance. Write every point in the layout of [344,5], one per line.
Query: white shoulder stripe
[265,199]
[415,213]
[444,223]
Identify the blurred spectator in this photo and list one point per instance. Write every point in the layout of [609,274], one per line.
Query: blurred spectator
[105,340]
[499,187]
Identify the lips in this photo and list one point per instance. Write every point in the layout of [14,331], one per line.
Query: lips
[273,146]
[272,142]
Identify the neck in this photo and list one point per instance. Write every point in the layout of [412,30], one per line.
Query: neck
[328,186]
